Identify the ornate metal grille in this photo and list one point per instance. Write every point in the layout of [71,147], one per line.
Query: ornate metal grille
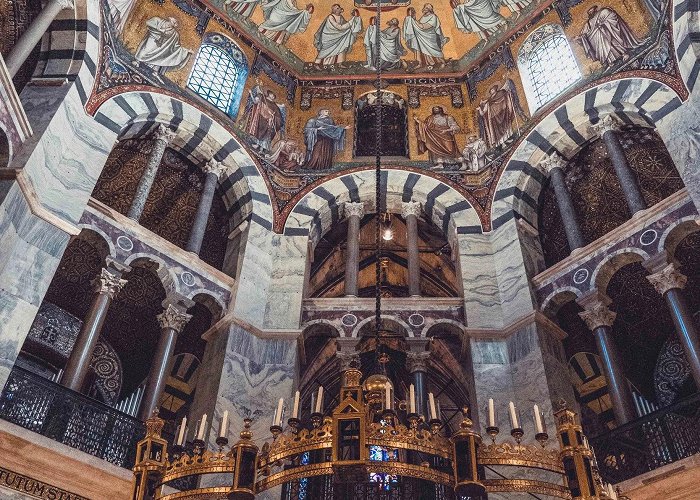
[324,488]
[70,418]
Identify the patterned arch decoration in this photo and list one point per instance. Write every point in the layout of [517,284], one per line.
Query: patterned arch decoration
[686,38]
[633,101]
[671,372]
[134,114]
[321,208]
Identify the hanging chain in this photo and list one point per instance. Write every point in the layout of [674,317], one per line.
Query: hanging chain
[378,175]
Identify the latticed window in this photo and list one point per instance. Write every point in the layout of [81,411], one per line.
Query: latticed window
[219,73]
[547,65]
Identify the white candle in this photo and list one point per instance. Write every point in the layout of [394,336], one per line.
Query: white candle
[492,414]
[439,411]
[278,413]
[295,413]
[319,399]
[183,428]
[431,401]
[202,427]
[223,430]
[387,397]
[538,420]
[412,398]
[513,416]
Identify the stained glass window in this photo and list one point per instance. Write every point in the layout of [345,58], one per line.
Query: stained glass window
[547,65]
[380,454]
[304,481]
[219,73]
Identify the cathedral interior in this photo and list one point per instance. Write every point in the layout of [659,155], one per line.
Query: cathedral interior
[373,249]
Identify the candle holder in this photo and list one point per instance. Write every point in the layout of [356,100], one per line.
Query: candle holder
[276,430]
[221,441]
[492,431]
[177,451]
[316,419]
[294,424]
[435,425]
[518,434]
[413,421]
[198,446]
[542,438]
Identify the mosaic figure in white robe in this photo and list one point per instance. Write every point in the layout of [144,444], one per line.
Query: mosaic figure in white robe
[283,19]
[478,16]
[161,47]
[336,36]
[390,47]
[243,8]
[424,36]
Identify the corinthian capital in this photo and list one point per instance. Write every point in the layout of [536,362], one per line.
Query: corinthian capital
[417,361]
[553,161]
[410,208]
[597,314]
[164,134]
[606,124]
[109,283]
[667,279]
[356,209]
[215,167]
[173,318]
[65,4]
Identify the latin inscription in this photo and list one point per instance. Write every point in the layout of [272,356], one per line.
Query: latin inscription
[37,489]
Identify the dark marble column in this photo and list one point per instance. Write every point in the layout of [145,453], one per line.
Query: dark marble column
[162,138]
[354,212]
[600,319]
[108,285]
[555,165]
[410,211]
[608,128]
[172,321]
[417,364]
[214,170]
[669,282]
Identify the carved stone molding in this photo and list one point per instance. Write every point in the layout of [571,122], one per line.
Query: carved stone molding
[606,124]
[667,279]
[356,209]
[173,318]
[553,161]
[109,283]
[215,167]
[417,361]
[410,208]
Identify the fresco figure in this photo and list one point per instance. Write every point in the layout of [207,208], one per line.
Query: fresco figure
[120,11]
[390,47]
[243,8]
[336,36]
[425,37]
[283,19]
[474,154]
[264,117]
[436,135]
[286,155]
[323,139]
[370,41]
[606,37]
[515,6]
[497,114]
[160,48]
[478,16]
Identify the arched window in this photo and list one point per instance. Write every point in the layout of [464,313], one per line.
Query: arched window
[219,73]
[547,65]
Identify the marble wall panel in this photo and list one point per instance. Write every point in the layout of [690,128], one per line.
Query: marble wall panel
[479,280]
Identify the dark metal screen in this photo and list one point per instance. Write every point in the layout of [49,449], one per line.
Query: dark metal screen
[51,410]
[660,438]
[406,488]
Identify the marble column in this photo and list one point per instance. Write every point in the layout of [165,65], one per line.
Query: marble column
[608,128]
[78,364]
[410,211]
[354,212]
[172,321]
[599,318]
[35,32]
[555,165]
[669,282]
[214,171]
[162,138]
[417,364]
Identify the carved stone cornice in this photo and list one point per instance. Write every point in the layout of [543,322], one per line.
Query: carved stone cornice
[553,161]
[109,283]
[417,361]
[164,134]
[173,318]
[668,279]
[410,208]
[606,124]
[215,167]
[354,209]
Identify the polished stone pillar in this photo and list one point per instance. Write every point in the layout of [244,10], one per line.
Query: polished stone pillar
[410,211]
[669,282]
[78,364]
[555,165]
[600,320]
[417,364]
[214,171]
[30,38]
[162,138]
[354,212]
[608,128]
[172,321]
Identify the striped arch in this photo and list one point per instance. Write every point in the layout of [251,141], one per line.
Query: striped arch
[134,114]
[686,39]
[634,101]
[316,212]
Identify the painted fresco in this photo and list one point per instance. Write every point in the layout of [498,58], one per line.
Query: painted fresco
[304,122]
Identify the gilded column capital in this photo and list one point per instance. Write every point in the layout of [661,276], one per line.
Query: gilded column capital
[667,279]
[597,314]
[553,161]
[164,134]
[410,208]
[354,209]
[417,361]
[110,283]
[173,318]
[606,124]
[215,167]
